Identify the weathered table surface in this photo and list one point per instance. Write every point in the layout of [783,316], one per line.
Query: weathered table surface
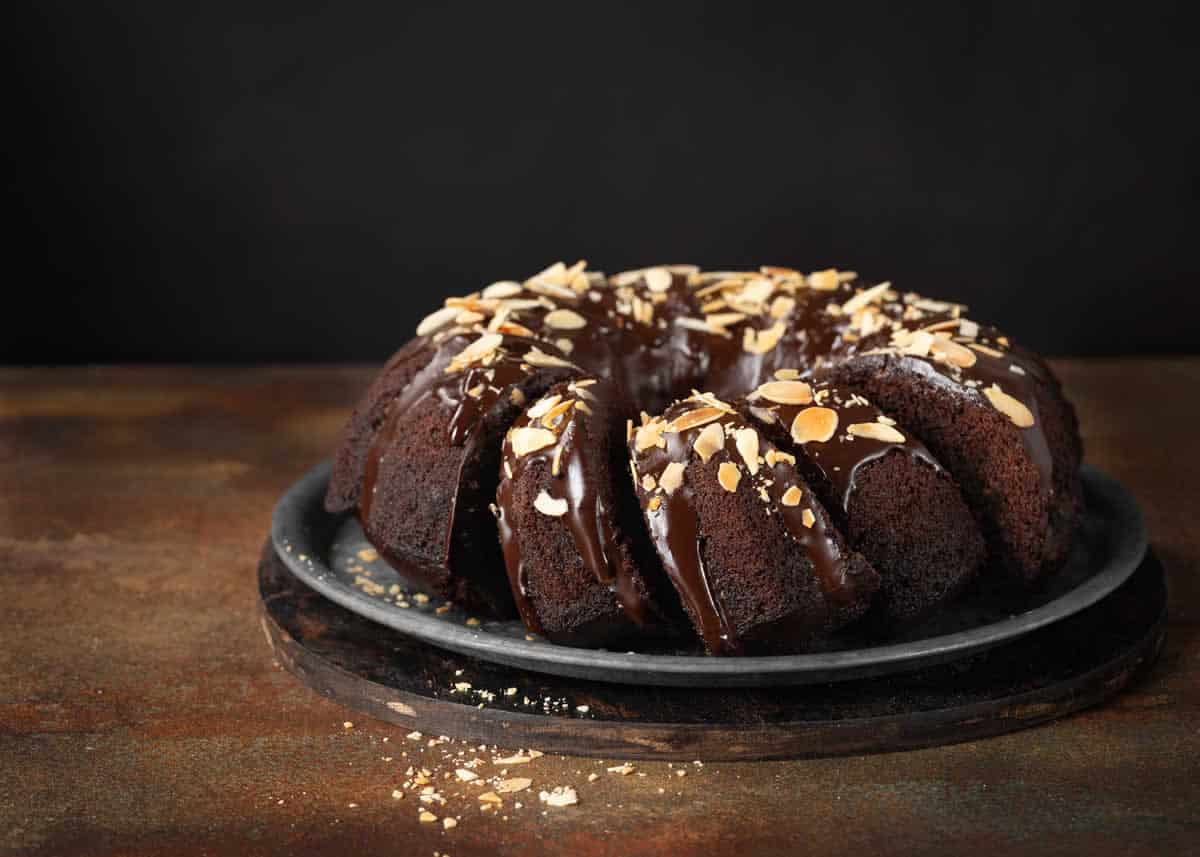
[141,712]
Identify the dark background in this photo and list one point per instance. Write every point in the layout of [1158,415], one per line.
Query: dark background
[244,183]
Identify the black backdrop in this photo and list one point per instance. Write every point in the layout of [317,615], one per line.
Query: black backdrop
[245,183]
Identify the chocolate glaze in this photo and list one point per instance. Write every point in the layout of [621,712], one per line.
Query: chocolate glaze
[673,521]
[589,521]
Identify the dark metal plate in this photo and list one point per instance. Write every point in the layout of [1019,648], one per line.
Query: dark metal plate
[324,552]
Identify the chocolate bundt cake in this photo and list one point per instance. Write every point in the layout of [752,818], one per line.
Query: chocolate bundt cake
[858,456]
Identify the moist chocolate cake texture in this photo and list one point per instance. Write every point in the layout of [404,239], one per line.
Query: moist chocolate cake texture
[750,460]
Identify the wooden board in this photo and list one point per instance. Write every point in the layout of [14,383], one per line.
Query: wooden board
[1050,673]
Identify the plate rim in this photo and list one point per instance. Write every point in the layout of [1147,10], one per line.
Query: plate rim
[301,503]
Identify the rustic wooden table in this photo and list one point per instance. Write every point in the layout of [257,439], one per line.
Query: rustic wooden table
[141,712]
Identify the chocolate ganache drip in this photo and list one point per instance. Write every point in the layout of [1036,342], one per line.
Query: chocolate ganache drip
[701,434]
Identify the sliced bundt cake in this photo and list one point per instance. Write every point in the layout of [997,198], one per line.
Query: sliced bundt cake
[756,559]
[580,566]
[892,500]
[427,462]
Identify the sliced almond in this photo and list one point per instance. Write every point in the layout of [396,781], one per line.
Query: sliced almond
[762,341]
[824,281]
[710,441]
[657,279]
[513,784]
[551,417]
[476,351]
[814,425]
[648,483]
[785,392]
[781,306]
[502,289]
[543,405]
[537,357]
[808,518]
[527,439]
[436,320]
[729,475]
[693,419]
[548,505]
[649,435]
[746,441]
[787,374]
[722,320]
[875,431]
[565,319]
[866,296]
[792,496]
[1015,410]
[953,353]
[672,477]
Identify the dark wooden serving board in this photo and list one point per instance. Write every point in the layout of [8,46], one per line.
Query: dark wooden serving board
[1050,673]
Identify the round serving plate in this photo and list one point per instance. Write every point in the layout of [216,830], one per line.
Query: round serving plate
[331,555]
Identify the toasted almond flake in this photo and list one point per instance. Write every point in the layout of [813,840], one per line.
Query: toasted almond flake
[436,320]
[729,475]
[490,798]
[792,496]
[657,279]
[551,417]
[527,439]
[760,342]
[465,775]
[476,352]
[867,296]
[709,441]
[825,281]
[814,425]
[649,435]
[787,374]
[561,796]
[700,325]
[672,477]
[547,505]
[565,319]
[781,306]
[502,289]
[785,392]
[648,483]
[714,306]
[967,328]
[536,357]
[722,320]
[467,318]
[953,353]
[543,405]
[746,441]
[808,518]
[427,817]
[693,419]
[624,769]
[1012,408]
[514,784]
[875,431]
